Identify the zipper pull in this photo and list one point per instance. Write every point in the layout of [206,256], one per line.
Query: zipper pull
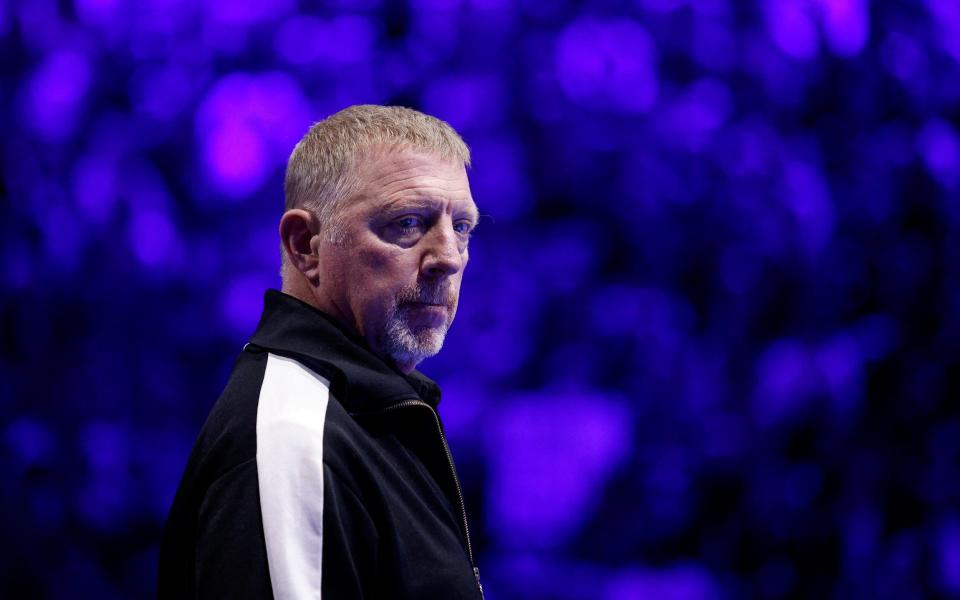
[476,575]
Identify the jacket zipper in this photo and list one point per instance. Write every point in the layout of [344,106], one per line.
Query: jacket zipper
[453,471]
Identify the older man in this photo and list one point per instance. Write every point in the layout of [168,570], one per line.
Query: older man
[323,470]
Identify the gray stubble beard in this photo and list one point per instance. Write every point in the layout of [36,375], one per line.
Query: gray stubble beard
[407,345]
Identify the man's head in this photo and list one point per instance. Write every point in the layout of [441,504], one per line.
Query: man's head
[379,215]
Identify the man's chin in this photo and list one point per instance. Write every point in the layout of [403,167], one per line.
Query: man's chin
[429,341]
[408,359]
[408,344]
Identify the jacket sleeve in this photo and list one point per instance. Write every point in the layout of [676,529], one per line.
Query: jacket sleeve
[230,557]
[319,537]
[349,542]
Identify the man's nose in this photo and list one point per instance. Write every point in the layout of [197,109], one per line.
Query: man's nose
[442,256]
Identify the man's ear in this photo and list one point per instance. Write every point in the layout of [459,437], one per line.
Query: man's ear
[298,230]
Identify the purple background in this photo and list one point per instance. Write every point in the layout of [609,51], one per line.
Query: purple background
[709,340]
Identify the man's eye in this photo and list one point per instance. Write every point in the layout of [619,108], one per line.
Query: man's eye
[409,222]
[462,227]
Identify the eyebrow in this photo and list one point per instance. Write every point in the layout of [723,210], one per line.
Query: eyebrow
[425,202]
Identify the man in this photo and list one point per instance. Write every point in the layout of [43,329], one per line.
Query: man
[322,470]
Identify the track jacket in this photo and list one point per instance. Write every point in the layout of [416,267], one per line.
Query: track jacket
[321,472]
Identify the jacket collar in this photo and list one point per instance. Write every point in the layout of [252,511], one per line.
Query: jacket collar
[360,380]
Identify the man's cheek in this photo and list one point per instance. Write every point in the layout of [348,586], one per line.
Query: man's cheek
[374,261]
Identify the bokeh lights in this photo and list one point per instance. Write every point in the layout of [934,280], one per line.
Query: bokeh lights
[708,343]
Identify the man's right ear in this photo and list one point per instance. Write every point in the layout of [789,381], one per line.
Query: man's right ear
[298,228]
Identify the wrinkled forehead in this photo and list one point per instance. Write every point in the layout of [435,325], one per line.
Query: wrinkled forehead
[392,172]
[402,155]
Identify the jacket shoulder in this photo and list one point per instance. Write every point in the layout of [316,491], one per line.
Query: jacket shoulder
[228,437]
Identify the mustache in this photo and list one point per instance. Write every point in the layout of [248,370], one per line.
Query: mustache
[418,293]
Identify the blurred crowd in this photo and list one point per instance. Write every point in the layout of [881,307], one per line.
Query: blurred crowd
[708,344]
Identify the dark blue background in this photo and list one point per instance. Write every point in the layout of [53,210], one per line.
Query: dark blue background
[708,340]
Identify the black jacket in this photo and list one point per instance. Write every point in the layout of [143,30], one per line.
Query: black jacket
[258,514]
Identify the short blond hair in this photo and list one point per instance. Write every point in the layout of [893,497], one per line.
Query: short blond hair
[321,173]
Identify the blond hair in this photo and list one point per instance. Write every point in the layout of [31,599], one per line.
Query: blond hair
[321,171]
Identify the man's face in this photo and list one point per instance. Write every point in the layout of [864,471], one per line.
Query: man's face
[394,273]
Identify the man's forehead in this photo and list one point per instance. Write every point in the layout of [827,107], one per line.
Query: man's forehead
[390,159]
[414,175]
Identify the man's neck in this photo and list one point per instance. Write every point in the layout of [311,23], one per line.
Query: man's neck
[301,291]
